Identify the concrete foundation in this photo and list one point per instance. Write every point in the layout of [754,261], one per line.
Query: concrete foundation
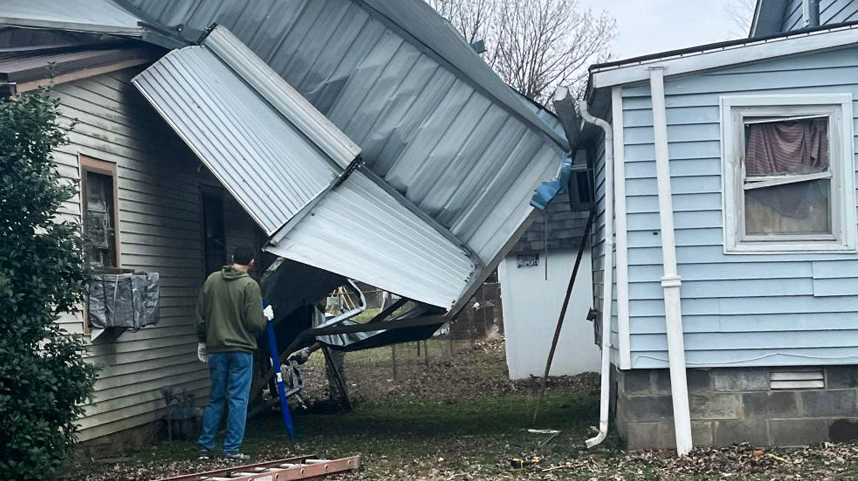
[732,405]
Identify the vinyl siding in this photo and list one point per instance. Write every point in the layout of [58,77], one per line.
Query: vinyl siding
[830,12]
[738,310]
[598,248]
[159,229]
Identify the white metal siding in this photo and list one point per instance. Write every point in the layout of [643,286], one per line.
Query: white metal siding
[265,162]
[363,232]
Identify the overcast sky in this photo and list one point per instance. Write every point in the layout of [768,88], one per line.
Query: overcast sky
[649,26]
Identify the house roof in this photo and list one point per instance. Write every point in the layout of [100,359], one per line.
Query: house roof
[722,54]
[768,18]
[25,68]
[101,16]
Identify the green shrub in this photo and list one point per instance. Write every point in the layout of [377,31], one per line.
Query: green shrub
[43,377]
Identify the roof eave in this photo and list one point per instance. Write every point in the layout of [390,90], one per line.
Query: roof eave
[135,32]
[722,55]
[768,17]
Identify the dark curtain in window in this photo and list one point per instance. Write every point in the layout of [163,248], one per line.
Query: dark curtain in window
[788,148]
[791,147]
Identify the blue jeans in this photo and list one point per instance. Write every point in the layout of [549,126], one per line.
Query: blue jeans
[231,374]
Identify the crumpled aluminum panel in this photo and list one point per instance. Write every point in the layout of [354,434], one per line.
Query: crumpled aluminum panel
[277,157]
[87,15]
[360,231]
[429,117]
[265,162]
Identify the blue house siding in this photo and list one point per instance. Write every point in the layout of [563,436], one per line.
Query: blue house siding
[830,12]
[738,310]
[598,248]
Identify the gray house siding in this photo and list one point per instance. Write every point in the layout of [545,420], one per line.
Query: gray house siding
[793,19]
[160,230]
[830,12]
[738,310]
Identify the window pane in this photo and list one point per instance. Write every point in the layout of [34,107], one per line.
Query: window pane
[99,232]
[800,208]
[787,147]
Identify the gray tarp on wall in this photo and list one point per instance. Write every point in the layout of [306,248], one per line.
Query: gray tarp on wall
[130,301]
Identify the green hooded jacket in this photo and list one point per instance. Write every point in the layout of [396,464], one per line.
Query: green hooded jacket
[229,312]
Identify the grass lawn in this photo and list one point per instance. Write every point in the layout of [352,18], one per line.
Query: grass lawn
[460,418]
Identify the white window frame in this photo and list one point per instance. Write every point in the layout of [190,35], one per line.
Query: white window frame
[838,108]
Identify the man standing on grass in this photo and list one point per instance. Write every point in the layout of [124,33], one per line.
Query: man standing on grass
[229,319]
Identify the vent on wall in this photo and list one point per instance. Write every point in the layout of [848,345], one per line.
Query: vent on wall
[797,379]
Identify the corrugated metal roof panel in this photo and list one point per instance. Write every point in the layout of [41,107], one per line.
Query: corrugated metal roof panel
[265,162]
[280,95]
[249,129]
[360,231]
[430,123]
[84,15]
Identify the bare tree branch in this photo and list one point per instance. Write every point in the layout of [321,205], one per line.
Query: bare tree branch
[741,13]
[536,46]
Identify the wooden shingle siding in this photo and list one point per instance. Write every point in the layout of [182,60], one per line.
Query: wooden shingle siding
[159,207]
[738,310]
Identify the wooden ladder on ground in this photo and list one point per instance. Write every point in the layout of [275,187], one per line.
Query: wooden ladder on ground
[299,468]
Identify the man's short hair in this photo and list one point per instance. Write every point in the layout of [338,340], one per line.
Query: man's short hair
[242,255]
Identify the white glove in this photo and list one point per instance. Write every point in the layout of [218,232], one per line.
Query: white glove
[202,352]
[268,312]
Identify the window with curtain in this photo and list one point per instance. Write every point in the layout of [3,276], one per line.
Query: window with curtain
[788,173]
[787,176]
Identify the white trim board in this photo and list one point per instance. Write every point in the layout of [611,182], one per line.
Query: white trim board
[725,56]
[621,231]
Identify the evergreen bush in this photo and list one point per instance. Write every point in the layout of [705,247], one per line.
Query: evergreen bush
[43,377]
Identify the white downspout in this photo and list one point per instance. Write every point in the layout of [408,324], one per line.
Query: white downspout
[671,281]
[607,277]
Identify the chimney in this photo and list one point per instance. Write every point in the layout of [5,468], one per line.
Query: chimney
[810,13]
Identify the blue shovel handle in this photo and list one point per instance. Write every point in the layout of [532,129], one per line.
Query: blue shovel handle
[278,378]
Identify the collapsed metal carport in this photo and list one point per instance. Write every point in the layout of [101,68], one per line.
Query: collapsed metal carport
[365,137]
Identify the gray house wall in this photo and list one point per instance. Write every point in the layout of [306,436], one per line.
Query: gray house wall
[160,218]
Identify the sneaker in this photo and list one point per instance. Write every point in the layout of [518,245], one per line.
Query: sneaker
[236,456]
[204,455]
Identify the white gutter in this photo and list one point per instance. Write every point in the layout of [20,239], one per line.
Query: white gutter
[671,281]
[607,277]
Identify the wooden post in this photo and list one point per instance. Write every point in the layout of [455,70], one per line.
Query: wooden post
[393,358]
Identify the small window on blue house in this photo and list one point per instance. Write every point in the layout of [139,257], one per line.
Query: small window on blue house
[788,173]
